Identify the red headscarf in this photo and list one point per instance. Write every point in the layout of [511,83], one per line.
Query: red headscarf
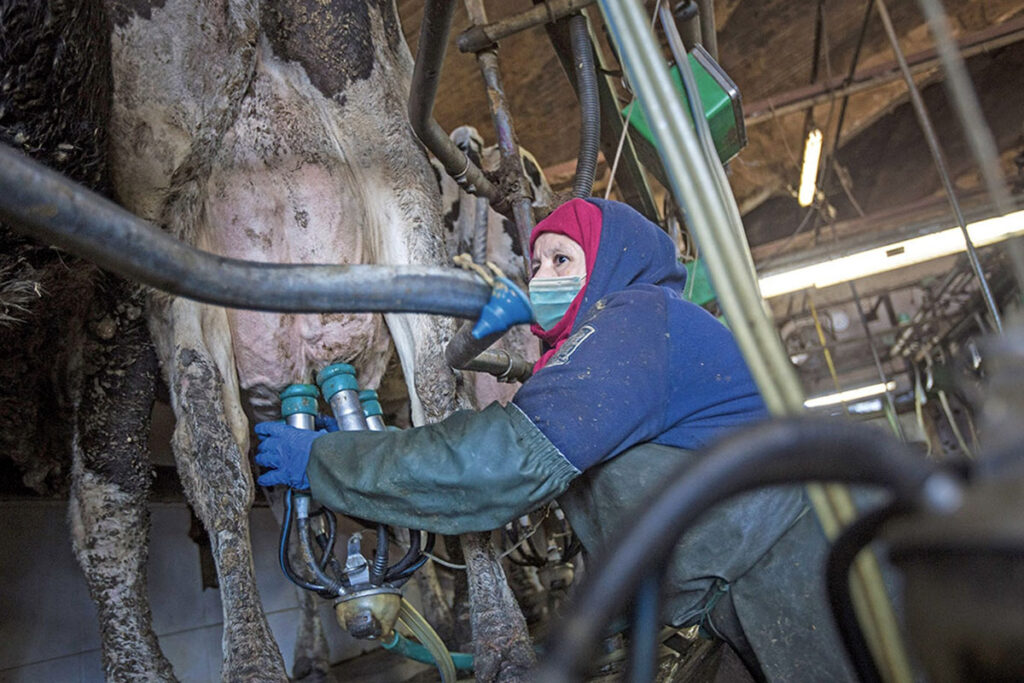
[580,221]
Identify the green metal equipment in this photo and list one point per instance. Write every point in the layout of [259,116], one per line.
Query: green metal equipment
[722,106]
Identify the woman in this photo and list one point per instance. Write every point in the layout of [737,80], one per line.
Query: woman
[632,381]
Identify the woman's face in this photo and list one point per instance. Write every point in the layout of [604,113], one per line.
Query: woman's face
[556,255]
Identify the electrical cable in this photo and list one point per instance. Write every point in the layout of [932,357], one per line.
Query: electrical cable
[452,565]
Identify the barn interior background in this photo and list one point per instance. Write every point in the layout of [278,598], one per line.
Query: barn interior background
[795,66]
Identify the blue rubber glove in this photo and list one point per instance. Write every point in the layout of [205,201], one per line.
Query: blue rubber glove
[326,422]
[284,451]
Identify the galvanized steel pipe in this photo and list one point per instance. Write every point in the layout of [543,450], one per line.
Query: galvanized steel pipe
[482,36]
[728,258]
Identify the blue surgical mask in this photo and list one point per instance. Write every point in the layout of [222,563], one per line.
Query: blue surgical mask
[552,296]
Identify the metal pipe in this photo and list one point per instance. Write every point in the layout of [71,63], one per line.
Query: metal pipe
[687,17]
[708,32]
[482,36]
[968,109]
[703,129]
[507,367]
[728,261]
[49,207]
[878,363]
[514,176]
[798,99]
[590,106]
[768,454]
[430,51]
[940,163]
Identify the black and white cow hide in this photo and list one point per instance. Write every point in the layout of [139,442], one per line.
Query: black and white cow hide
[77,370]
[276,131]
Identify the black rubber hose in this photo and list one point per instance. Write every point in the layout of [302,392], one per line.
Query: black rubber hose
[590,106]
[331,586]
[282,549]
[411,555]
[327,541]
[771,453]
[644,625]
[837,579]
[464,347]
[380,560]
[49,207]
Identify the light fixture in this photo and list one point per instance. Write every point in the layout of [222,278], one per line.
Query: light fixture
[809,169]
[849,395]
[891,256]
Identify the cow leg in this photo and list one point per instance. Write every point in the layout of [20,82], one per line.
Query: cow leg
[211,435]
[502,649]
[312,662]
[311,657]
[502,644]
[110,483]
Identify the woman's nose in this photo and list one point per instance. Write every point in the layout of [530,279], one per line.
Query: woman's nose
[546,270]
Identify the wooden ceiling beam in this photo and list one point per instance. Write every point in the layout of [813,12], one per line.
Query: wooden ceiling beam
[800,99]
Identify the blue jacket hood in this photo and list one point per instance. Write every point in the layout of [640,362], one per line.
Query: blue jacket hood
[633,251]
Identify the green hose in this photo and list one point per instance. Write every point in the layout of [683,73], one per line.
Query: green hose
[432,650]
[412,650]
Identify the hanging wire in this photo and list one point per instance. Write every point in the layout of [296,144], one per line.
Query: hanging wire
[625,126]
[451,565]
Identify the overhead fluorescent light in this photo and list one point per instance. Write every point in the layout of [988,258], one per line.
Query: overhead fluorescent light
[809,169]
[849,395]
[891,256]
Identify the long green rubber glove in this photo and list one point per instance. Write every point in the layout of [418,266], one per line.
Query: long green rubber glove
[473,471]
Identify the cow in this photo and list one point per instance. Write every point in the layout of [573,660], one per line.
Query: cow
[78,371]
[271,131]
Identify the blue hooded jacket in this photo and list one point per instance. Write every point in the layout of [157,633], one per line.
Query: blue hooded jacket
[642,364]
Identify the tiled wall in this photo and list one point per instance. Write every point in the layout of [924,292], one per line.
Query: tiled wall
[48,627]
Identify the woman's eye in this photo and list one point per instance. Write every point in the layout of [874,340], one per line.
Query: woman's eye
[561,258]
